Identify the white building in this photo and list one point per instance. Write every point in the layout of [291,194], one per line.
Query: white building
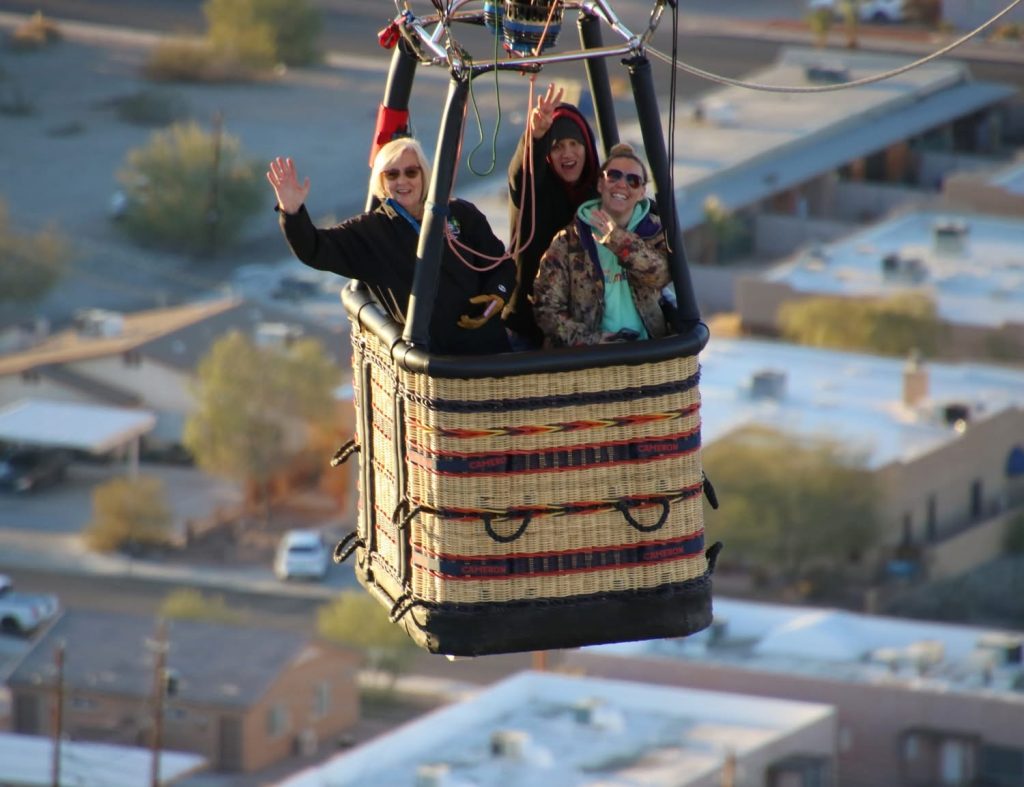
[545,729]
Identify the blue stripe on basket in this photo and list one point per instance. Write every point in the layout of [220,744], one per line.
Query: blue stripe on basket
[514,567]
[565,400]
[578,458]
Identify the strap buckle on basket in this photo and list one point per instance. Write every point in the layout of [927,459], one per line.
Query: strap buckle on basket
[489,527]
[342,454]
[623,507]
[343,549]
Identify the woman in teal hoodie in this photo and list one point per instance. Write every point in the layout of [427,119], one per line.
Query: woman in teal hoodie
[602,276]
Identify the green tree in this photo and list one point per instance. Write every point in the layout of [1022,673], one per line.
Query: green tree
[262,33]
[30,265]
[129,513]
[790,506]
[190,190]
[889,326]
[249,397]
[820,20]
[191,604]
[357,620]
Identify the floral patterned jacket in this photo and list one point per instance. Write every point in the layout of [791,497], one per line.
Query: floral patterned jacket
[568,292]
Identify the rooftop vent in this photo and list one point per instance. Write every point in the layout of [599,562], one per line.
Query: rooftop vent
[957,415]
[1007,649]
[950,236]
[509,744]
[827,73]
[717,112]
[593,712]
[897,267]
[915,381]
[768,384]
[926,654]
[100,323]
[433,774]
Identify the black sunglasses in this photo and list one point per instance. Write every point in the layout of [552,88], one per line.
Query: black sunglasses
[409,172]
[633,180]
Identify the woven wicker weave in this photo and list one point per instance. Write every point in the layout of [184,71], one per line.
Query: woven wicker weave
[529,490]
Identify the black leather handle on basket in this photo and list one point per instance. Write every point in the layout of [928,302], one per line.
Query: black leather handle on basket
[505,539]
[624,506]
[343,549]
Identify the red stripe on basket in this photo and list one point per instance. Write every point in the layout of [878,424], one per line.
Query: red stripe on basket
[560,458]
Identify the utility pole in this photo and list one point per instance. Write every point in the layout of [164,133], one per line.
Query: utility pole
[58,712]
[159,647]
[213,197]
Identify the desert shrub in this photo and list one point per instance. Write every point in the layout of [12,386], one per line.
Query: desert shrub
[129,514]
[189,189]
[192,60]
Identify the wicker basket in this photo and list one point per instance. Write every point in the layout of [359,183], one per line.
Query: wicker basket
[531,511]
[527,25]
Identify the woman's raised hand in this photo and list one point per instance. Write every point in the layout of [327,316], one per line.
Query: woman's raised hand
[543,115]
[289,192]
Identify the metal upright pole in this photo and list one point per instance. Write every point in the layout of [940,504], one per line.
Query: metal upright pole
[58,713]
[654,145]
[597,78]
[159,669]
[435,215]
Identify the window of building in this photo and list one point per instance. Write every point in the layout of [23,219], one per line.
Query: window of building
[30,376]
[931,518]
[132,358]
[954,759]
[321,699]
[976,498]
[1001,766]
[277,720]
[911,748]
[83,703]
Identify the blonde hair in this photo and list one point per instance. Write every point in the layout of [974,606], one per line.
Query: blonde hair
[625,150]
[388,155]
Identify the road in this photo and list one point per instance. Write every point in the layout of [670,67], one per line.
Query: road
[143,596]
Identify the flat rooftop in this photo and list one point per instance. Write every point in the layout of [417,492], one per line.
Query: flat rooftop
[853,397]
[975,278]
[547,729]
[741,145]
[848,646]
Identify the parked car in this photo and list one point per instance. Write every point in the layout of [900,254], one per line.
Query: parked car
[882,11]
[27,469]
[301,554]
[23,613]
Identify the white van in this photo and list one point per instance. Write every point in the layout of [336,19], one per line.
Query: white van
[301,554]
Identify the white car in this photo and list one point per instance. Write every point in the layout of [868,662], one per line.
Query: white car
[868,10]
[23,613]
[301,554]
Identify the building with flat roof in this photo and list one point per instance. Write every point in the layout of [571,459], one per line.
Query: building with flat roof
[994,190]
[546,729]
[919,704]
[970,266]
[945,440]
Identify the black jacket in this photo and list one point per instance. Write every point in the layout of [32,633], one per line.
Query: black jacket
[555,207]
[379,248]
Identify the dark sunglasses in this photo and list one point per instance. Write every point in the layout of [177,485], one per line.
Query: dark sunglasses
[633,180]
[409,172]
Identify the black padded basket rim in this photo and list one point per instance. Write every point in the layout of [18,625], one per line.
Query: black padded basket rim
[488,629]
[361,307]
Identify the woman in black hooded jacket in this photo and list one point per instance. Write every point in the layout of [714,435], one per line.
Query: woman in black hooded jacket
[565,170]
